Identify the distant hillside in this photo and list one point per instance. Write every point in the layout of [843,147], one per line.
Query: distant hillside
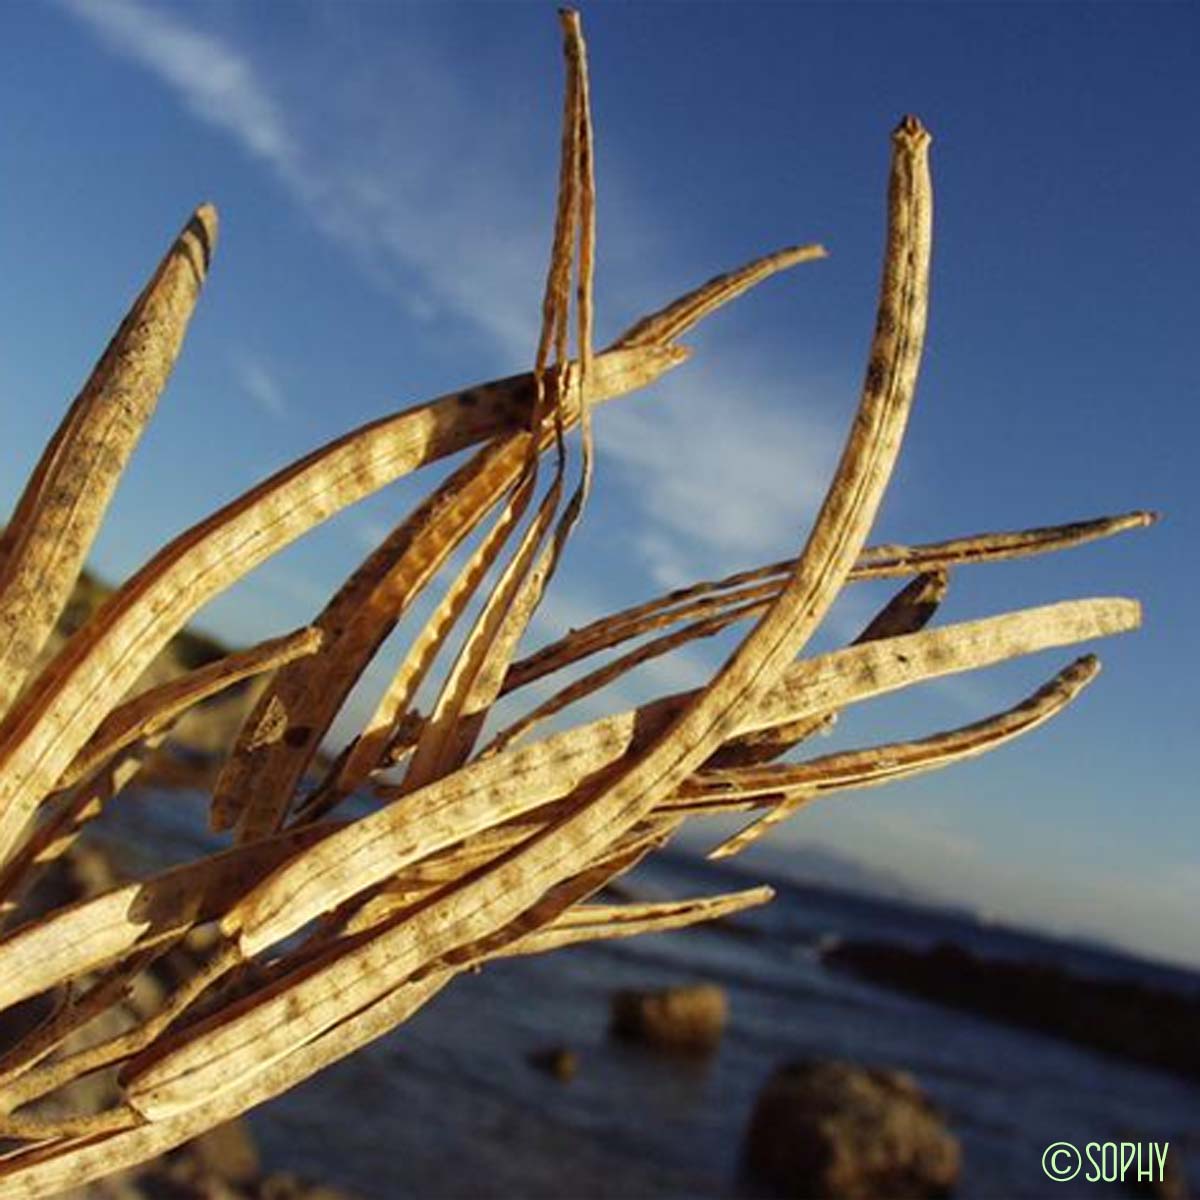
[202,733]
[806,862]
[185,652]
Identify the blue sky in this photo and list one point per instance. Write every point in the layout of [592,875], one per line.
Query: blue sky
[385,178]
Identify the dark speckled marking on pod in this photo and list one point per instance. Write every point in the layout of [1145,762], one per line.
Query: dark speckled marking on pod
[876,373]
[298,735]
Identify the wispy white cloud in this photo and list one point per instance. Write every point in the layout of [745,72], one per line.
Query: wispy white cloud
[215,81]
[396,195]
[258,382]
[726,462]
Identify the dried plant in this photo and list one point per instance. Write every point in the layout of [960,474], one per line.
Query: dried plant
[325,932]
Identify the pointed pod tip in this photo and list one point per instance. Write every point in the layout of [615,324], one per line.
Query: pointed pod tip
[935,583]
[206,215]
[676,353]
[202,229]
[911,130]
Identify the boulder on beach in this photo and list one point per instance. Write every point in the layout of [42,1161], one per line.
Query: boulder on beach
[201,736]
[688,1019]
[837,1131]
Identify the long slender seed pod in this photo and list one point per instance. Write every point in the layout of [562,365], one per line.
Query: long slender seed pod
[68,494]
[794,786]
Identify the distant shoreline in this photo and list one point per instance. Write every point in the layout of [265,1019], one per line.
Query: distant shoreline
[1151,1025]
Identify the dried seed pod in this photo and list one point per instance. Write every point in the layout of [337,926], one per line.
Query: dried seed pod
[65,500]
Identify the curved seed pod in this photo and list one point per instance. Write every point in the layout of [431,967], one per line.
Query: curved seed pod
[980,643]
[797,785]
[477,675]
[836,539]
[672,322]
[879,562]
[600,922]
[61,509]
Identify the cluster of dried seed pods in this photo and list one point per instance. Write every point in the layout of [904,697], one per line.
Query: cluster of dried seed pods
[326,932]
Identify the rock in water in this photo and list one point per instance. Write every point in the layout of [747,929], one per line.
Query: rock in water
[836,1131]
[559,1061]
[688,1019]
